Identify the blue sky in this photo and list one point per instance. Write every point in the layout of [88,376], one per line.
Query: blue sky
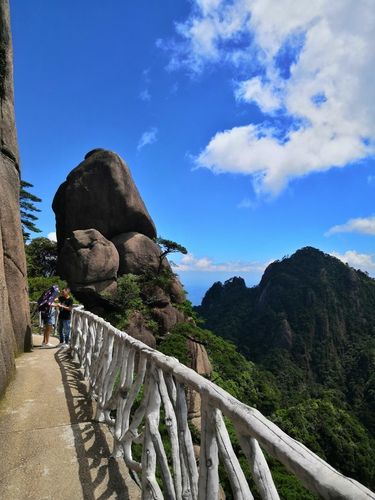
[248,126]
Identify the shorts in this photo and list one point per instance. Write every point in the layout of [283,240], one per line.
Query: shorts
[48,318]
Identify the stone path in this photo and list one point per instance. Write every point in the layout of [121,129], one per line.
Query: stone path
[50,447]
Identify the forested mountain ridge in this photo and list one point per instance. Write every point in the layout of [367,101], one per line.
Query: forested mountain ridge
[311,322]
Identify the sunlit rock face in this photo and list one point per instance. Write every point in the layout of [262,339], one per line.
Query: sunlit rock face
[104,231]
[15,332]
[137,252]
[101,194]
[89,261]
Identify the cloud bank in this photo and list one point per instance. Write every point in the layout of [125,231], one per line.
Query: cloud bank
[190,263]
[362,261]
[359,225]
[308,67]
[52,236]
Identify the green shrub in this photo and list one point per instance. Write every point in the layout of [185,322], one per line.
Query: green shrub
[39,284]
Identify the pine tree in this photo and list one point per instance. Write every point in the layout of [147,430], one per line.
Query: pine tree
[27,208]
[167,247]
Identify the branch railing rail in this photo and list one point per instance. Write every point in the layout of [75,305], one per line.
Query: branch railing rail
[135,387]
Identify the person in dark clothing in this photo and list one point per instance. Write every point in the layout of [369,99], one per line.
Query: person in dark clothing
[45,307]
[65,313]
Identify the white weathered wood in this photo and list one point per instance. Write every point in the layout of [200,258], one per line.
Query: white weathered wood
[240,487]
[150,488]
[189,466]
[152,425]
[261,472]
[131,434]
[95,357]
[129,393]
[189,487]
[208,483]
[122,394]
[171,424]
[318,476]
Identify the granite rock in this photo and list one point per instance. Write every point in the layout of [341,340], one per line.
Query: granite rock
[89,261]
[100,194]
[15,330]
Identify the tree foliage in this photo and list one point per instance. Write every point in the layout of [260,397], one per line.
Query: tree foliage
[167,247]
[128,300]
[39,284]
[41,257]
[334,434]
[310,322]
[28,209]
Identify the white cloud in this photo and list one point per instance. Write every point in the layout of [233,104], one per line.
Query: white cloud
[190,263]
[145,95]
[247,203]
[148,137]
[52,236]
[359,225]
[328,96]
[263,95]
[362,261]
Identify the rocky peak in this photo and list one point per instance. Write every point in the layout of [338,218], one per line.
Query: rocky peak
[311,321]
[100,194]
[104,231]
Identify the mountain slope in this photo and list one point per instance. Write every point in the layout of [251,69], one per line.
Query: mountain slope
[310,321]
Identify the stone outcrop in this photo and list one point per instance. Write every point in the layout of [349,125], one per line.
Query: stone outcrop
[201,364]
[104,231]
[15,331]
[89,261]
[167,317]
[100,194]
[137,328]
[138,253]
[176,291]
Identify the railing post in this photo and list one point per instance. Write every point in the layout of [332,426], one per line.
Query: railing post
[261,472]
[208,484]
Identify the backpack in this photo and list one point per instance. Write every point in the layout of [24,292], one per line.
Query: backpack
[46,299]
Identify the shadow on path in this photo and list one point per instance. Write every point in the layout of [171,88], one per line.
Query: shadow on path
[100,476]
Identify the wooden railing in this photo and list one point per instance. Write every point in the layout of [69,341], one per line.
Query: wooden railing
[141,394]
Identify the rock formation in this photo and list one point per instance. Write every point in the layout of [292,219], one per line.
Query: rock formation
[104,231]
[201,364]
[89,261]
[15,331]
[136,252]
[100,194]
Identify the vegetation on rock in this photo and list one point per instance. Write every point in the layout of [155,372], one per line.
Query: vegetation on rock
[41,257]
[311,323]
[167,247]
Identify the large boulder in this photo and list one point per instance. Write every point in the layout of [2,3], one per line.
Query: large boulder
[138,329]
[199,362]
[138,253]
[176,291]
[89,261]
[15,331]
[100,194]
[167,317]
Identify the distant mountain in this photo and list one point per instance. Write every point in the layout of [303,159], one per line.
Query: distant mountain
[311,322]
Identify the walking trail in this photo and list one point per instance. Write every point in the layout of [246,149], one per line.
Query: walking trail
[50,446]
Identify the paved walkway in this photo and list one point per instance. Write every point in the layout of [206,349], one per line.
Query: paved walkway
[50,447]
